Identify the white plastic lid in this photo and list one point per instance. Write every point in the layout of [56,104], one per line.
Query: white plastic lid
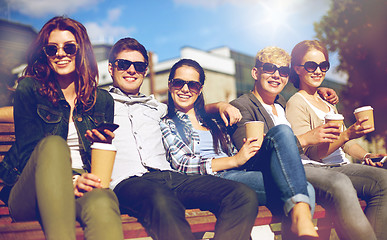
[334,117]
[365,108]
[104,146]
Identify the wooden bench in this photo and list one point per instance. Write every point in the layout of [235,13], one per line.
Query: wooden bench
[200,221]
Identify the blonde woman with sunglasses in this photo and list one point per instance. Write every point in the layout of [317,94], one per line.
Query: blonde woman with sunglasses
[338,183]
[57,104]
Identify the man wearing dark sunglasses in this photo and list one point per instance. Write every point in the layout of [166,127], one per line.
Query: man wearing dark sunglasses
[144,182]
[128,75]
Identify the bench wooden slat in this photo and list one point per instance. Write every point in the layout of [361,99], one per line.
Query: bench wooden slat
[4,148]
[7,138]
[6,128]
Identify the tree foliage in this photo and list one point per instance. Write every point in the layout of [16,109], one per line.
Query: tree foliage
[357,30]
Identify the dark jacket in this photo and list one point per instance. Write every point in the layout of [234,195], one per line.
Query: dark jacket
[251,110]
[36,117]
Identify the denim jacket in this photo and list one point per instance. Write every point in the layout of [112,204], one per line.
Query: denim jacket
[36,117]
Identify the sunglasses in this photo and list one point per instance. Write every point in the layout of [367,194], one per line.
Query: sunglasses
[51,50]
[311,66]
[124,65]
[192,85]
[272,68]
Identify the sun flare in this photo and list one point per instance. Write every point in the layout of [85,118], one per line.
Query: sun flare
[275,17]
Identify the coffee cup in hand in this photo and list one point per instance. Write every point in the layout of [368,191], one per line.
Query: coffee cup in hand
[254,129]
[362,112]
[102,161]
[335,118]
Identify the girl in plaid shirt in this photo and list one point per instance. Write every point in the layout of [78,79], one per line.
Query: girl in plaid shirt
[197,144]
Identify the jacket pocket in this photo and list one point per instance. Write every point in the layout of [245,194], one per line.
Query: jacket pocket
[49,115]
[50,118]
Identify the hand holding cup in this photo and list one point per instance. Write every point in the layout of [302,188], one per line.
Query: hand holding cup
[335,118]
[254,129]
[365,112]
[102,161]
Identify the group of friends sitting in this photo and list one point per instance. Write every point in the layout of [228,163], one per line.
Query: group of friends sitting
[184,154]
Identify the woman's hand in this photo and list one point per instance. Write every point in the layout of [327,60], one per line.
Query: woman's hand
[229,113]
[85,183]
[368,159]
[326,133]
[248,150]
[356,130]
[95,136]
[328,95]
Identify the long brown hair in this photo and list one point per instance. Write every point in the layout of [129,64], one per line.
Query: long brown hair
[85,62]
[217,130]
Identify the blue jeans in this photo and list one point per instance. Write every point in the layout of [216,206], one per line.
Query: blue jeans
[276,172]
[254,179]
[338,189]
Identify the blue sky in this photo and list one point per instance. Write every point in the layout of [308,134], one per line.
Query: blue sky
[165,26]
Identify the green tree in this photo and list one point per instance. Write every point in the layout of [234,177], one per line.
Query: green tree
[357,30]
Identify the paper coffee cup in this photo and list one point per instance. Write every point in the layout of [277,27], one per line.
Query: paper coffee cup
[254,129]
[363,112]
[335,118]
[102,161]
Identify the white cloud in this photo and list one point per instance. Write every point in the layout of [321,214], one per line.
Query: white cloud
[107,32]
[114,14]
[103,30]
[39,8]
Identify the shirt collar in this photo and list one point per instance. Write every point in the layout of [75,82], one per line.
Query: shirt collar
[118,91]
[150,101]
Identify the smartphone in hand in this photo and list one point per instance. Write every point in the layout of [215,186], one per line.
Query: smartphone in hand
[106,125]
[379,159]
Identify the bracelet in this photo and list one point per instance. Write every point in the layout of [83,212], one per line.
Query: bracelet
[367,155]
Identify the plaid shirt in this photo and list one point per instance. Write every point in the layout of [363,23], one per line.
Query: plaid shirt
[182,157]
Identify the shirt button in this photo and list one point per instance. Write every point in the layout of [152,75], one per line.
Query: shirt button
[140,147]
[135,132]
[79,119]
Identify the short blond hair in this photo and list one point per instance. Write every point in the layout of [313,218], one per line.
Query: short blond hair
[272,54]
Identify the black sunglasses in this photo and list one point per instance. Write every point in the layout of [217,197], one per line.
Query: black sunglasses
[51,50]
[272,68]
[123,65]
[192,85]
[311,66]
